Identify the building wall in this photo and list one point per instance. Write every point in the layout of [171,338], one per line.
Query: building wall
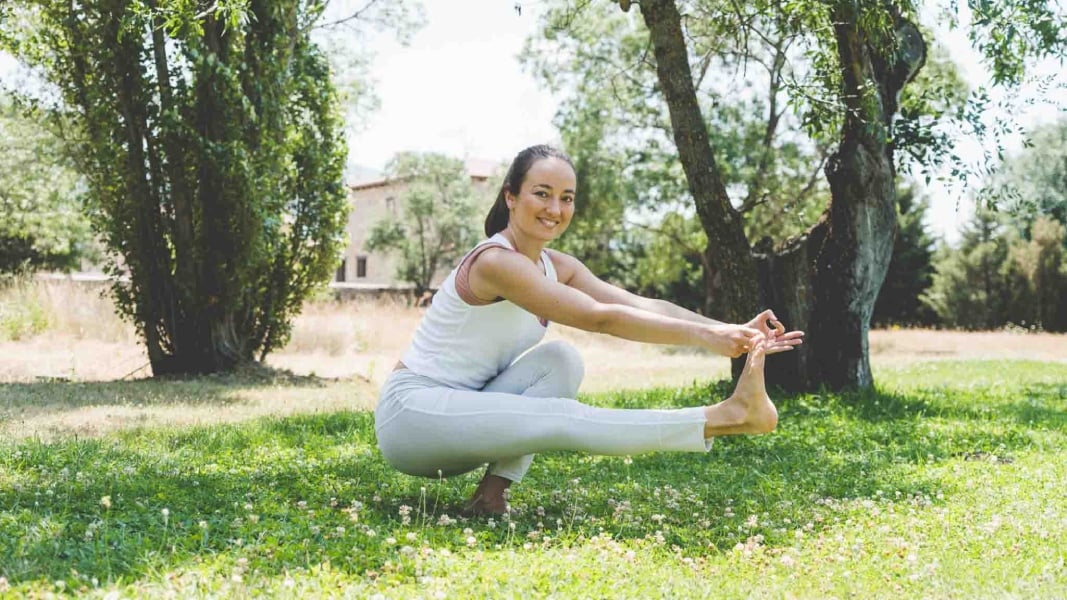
[370,204]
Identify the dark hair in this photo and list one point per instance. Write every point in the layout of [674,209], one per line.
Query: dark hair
[497,219]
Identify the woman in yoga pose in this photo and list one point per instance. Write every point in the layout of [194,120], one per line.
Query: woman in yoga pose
[470,391]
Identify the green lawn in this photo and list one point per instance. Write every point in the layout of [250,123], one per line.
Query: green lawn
[949,482]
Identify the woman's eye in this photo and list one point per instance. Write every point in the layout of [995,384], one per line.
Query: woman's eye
[540,194]
[568,199]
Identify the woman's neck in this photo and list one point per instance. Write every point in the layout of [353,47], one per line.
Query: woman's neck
[530,248]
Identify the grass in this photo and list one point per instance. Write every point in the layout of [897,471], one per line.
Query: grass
[946,482]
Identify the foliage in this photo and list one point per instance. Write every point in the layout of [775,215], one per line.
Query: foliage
[998,277]
[1034,181]
[910,270]
[969,288]
[211,140]
[1043,285]
[613,113]
[947,481]
[671,264]
[439,223]
[41,197]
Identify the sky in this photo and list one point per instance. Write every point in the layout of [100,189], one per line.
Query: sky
[458,88]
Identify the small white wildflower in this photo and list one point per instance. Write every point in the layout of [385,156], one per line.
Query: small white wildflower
[471,541]
[302,505]
[288,583]
[166,512]
[106,502]
[411,536]
[371,533]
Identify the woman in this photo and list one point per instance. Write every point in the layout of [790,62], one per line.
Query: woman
[464,394]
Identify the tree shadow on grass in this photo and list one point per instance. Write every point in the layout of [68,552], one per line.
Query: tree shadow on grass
[49,397]
[297,492]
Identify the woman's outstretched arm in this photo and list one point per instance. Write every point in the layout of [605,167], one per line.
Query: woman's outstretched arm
[575,274]
[505,274]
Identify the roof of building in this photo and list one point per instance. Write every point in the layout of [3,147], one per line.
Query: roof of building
[477,168]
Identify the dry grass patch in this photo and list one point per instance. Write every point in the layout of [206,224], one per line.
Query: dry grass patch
[89,409]
[64,375]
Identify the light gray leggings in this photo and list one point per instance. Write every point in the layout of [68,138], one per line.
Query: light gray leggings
[425,428]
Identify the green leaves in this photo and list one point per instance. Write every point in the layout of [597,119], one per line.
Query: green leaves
[211,139]
[439,220]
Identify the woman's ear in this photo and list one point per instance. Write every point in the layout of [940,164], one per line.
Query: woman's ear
[509,199]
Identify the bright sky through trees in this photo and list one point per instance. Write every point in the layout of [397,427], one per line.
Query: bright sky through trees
[458,89]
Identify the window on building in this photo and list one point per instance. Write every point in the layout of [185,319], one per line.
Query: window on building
[361,266]
[390,205]
[340,275]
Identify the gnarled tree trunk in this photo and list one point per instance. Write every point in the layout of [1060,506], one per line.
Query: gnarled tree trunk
[825,282]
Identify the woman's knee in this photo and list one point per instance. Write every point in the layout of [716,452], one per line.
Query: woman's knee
[564,361]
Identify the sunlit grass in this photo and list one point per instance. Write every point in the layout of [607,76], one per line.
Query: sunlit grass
[947,482]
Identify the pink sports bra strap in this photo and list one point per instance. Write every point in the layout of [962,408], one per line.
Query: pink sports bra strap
[463,286]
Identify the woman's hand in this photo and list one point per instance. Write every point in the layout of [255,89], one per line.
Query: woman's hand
[778,339]
[735,340]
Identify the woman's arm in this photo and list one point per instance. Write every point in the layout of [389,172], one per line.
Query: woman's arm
[506,274]
[575,274]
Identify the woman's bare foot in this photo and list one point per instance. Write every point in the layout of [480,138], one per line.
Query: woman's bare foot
[490,497]
[748,409]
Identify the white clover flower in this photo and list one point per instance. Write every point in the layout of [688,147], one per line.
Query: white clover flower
[471,541]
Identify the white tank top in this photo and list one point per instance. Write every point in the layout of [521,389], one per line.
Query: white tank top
[464,345]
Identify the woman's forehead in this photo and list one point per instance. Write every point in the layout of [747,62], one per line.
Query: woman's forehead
[551,172]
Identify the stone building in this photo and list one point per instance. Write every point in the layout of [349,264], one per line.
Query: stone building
[373,199]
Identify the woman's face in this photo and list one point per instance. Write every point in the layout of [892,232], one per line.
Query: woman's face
[544,206]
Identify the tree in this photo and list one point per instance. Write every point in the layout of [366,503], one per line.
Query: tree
[614,122]
[42,226]
[1041,261]
[862,56]
[970,287]
[1036,178]
[210,137]
[911,269]
[439,222]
